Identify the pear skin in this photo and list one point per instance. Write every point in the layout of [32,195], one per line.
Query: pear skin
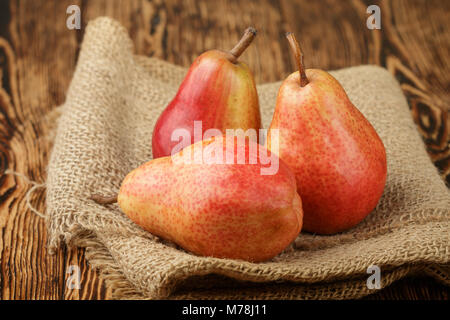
[219,91]
[338,159]
[215,209]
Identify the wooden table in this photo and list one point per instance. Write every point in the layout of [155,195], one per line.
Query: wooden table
[38,54]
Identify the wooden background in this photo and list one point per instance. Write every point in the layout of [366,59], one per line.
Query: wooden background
[38,56]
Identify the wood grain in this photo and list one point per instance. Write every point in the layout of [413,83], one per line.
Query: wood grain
[38,56]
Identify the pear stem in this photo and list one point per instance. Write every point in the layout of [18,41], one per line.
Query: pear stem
[104,200]
[247,38]
[298,58]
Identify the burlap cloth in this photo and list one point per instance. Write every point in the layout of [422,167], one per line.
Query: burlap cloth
[105,130]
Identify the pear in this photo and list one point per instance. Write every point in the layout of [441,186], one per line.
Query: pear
[338,159]
[218,91]
[217,206]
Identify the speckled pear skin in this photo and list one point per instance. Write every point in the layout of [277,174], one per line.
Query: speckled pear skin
[218,210]
[338,159]
[220,93]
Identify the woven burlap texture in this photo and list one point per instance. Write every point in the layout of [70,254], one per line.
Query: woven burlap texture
[105,130]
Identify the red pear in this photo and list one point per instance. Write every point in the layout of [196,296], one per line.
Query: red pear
[216,206]
[219,91]
[337,156]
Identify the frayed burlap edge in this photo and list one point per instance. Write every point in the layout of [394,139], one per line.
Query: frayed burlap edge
[100,259]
